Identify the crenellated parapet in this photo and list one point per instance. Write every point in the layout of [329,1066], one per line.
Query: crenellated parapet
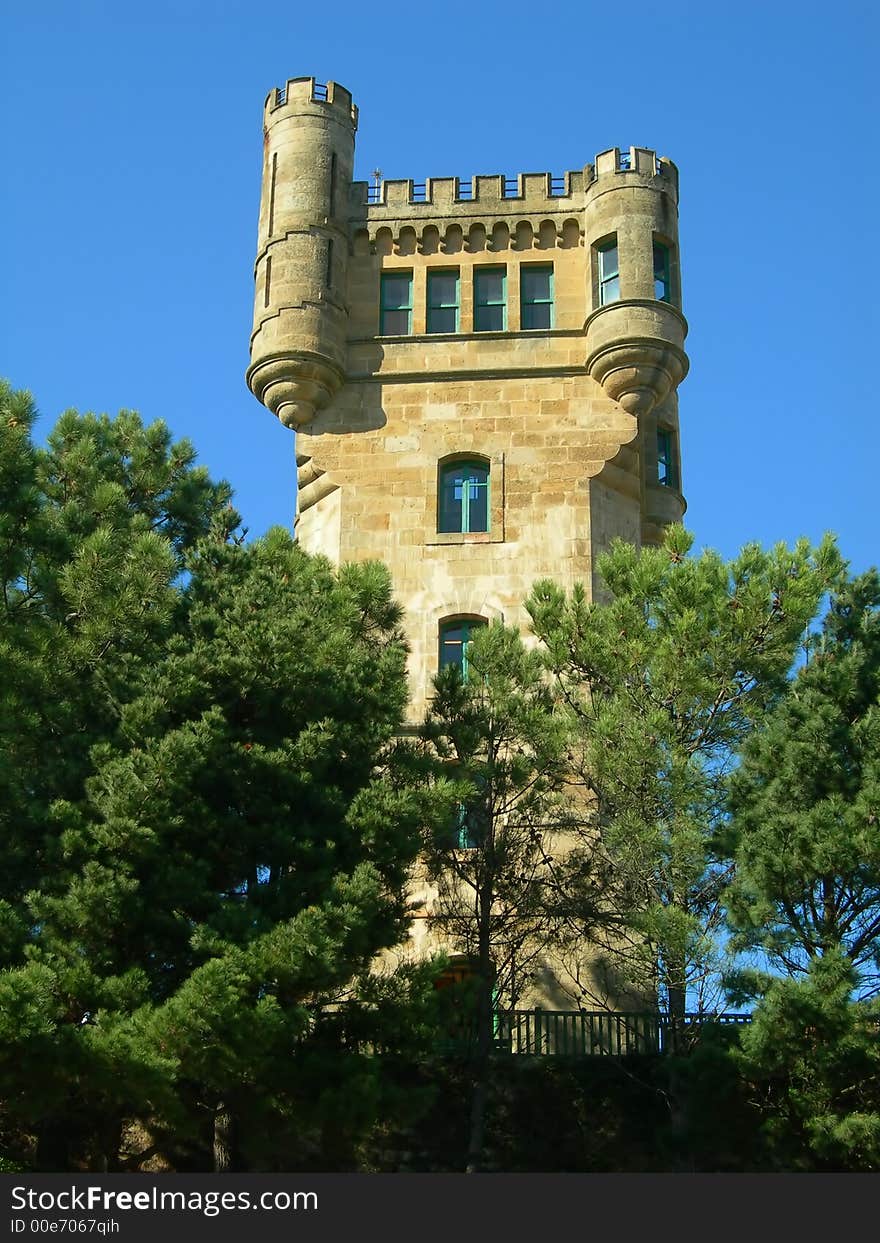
[527,192]
[316,221]
[636,164]
[299,92]
[513,212]
[535,209]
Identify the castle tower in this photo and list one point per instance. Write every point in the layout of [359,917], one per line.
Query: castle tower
[300,318]
[482,374]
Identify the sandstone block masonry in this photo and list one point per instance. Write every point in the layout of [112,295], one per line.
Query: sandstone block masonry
[482,375]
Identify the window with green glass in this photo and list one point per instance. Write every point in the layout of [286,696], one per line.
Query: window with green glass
[470,824]
[463,497]
[490,299]
[536,296]
[662,280]
[667,466]
[396,304]
[443,301]
[455,638]
[609,271]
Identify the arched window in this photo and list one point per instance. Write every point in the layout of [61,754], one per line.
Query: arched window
[455,637]
[463,496]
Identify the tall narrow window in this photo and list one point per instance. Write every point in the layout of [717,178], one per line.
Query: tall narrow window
[396,304]
[464,497]
[333,184]
[328,274]
[667,466]
[455,638]
[536,296]
[443,301]
[272,193]
[490,299]
[662,283]
[609,272]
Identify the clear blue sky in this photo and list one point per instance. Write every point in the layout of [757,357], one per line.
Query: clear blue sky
[132,147]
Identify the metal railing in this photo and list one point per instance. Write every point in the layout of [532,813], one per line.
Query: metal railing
[546,1033]
[608,1033]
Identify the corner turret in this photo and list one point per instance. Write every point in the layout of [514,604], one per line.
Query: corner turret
[298,341]
[635,331]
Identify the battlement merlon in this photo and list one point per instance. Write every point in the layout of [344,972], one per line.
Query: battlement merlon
[636,166]
[304,94]
[525,194]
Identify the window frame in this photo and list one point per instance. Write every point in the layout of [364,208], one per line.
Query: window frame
[468,623]
[607,279]
[430,305]
[447,467]
[469,833]
[384,278]
[525,302]
[667,458]
[664,250]
[480,271]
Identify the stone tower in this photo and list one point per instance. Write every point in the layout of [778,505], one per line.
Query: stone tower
[482,374]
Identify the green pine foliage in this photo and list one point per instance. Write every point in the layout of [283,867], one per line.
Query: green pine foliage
[810,1061]
[805,907]
[207,821]
[499,738]
[664,676]
[805,803]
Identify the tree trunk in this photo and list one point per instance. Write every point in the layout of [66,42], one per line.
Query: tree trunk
[224,1127]
[677,1011]
[677,1097]
[111,1143]
[480,1093]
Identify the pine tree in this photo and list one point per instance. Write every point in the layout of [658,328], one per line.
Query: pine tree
[94,530]
[805,803]
[805,906]
[501,742]
[664,676]
[208,821]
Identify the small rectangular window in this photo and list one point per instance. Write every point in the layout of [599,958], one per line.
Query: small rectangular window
[536,296]
[662,284]
[396,304]
[464,497]
[443,301]
[490,299]
[667,467]
[609,272]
